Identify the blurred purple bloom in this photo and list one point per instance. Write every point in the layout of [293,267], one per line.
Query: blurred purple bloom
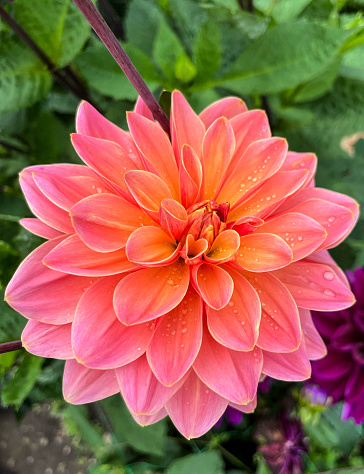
[285,457]
[341,372]
[231,415]
[315,395]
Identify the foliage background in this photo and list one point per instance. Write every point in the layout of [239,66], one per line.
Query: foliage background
[301,60]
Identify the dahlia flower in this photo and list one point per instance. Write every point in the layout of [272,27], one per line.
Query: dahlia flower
[178,272]
[341,372]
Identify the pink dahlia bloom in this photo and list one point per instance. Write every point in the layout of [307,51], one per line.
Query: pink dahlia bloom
[179,272]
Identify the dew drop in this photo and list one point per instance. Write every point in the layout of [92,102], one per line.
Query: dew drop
[329,276]
[184,311]
[231,304]
[170,282]
[182,345]
[331,219]
[329,292]
[99,190]
[184,330]
[173,333]
[299,238]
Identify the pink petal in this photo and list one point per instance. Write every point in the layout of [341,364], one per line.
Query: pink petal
[248,128]
[281,185]
[232,374]
[141,109]
[263,253]
[37,227]
[74,257]
[247,225]
[337,220]
[190,177]
[193,250]
[299,161]
[142,392]
[173,218]
[91,123]
[66,192]
[315,286]
[151,246]
[217,150]
[248,408]
[213,283]
[280,329]
[163,288]
[224,247]
[48,340]
[99,339]
[82,385]
[146,420]
[41,206]
[155,146]
[259,162]
[315,346]
[302,233]
[323,256]
[194,409]
[40,293]
[105,222]
[148,190]
[186,126]
[177,340]
[107,158]
[293,366]
[228,107]
[236,325]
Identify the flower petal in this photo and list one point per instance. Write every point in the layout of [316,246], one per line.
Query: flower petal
[280,329]
[82,385]
[177,340]
[146,420]
[105,222]
[74,257]
[142,392]
[232,374]
[315,286]
[37,227]
[236,325]
[163,289]
[315,346]
[156,148]
[259,162]
[99,339]
[299,161]
[190,177]
[41,206]
[194,409]
[151,246]
[302,233]
[224,247]
[39,293]
[248,408]
[213,283]
[263,253]
[48,340]
[142,109]
[217,150]
[293,366]
[227,107]
[186,126]
[173,218]
[91,123]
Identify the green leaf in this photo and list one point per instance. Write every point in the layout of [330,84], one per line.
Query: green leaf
[283,57]
[167,48]
[76,420]
[142,24]
[353,64]
[24,80]
[15,389]
[286,10]
[203,463]
[149,439]
[184,70]
[57,26]
[207,50]
[102,73]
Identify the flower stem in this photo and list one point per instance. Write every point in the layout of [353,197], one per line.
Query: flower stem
[93,16]
[66,77]
[10,346]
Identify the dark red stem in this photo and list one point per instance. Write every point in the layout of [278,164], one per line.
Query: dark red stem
[10,346]
[93,16]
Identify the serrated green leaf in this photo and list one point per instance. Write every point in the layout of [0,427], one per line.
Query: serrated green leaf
[57,26]
[167,48]
[203,463]
[286,10]
[207,51]
[16,388]
[189,18]
[24,80]
[148,439]
[142,23]
[283,57]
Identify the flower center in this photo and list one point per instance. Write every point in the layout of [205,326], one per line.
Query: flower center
[206,220]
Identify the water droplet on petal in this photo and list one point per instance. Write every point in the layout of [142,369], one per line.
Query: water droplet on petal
[329,276]
[329,292]
[170,282]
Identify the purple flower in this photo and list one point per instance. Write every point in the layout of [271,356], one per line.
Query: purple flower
[285,457]
[341,372]
[231,415]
